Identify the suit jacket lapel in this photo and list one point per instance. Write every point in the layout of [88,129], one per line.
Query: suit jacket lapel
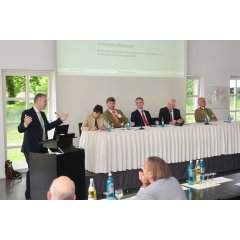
[36,117]
[112,119]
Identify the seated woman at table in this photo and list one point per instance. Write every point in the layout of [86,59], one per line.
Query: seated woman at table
[158,183]
[94,121]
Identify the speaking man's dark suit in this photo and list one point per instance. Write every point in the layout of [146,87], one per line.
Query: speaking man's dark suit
[137,118]
[33,136]
[165,114]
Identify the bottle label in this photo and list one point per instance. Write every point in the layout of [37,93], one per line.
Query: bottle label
[162,125]
[92,194]
[110,188]
[190,172]
[198,178]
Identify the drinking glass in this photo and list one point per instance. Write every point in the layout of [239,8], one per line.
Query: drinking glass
[157,123]
[211,179]
[106,194]
[112,126]
[119,193]
[207,178]
[202,178]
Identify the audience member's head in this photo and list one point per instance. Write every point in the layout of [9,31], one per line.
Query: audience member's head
[158,182]
[202,102]
[62,188]
[111,103]
[155,168]
[171,104]
[97,111]
[139,102]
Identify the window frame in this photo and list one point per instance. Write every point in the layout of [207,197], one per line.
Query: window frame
[235,96]
[199,91]
[51,95]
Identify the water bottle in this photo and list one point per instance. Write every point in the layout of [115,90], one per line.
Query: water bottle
[191,192]
[128,126]
[109,127]
[190,173]
[229,119]
[92,195]
[206,120]
[202,171]
[110,187]
[162,123]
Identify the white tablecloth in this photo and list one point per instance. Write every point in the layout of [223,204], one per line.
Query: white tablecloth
[123,149]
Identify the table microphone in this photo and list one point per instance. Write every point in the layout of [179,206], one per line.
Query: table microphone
[141,128]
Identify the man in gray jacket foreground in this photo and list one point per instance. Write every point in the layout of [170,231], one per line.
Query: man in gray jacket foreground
[158,183]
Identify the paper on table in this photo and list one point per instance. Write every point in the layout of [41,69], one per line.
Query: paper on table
[222,180]
[130,198]
[201,185]
[184,188]
[238,184]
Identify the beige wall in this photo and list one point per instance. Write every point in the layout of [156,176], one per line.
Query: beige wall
[216,61]
[78,95]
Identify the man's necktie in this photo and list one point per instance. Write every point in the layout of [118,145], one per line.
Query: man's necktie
[96,125]
[207,114]
[42,125]
[144,119]
[170,115]
[116,119]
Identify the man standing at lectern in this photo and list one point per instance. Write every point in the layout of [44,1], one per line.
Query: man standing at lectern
[35,126]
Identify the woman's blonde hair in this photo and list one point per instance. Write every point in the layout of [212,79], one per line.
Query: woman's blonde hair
[158,168]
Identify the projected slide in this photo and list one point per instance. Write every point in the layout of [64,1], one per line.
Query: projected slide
[121,58]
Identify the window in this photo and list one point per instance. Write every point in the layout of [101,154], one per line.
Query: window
[235,98]
[20,88]
[193,93]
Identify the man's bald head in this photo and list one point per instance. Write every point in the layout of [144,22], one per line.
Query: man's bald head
[62,188]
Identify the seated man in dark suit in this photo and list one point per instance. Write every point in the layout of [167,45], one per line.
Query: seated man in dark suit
[170,114]
[141,117]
